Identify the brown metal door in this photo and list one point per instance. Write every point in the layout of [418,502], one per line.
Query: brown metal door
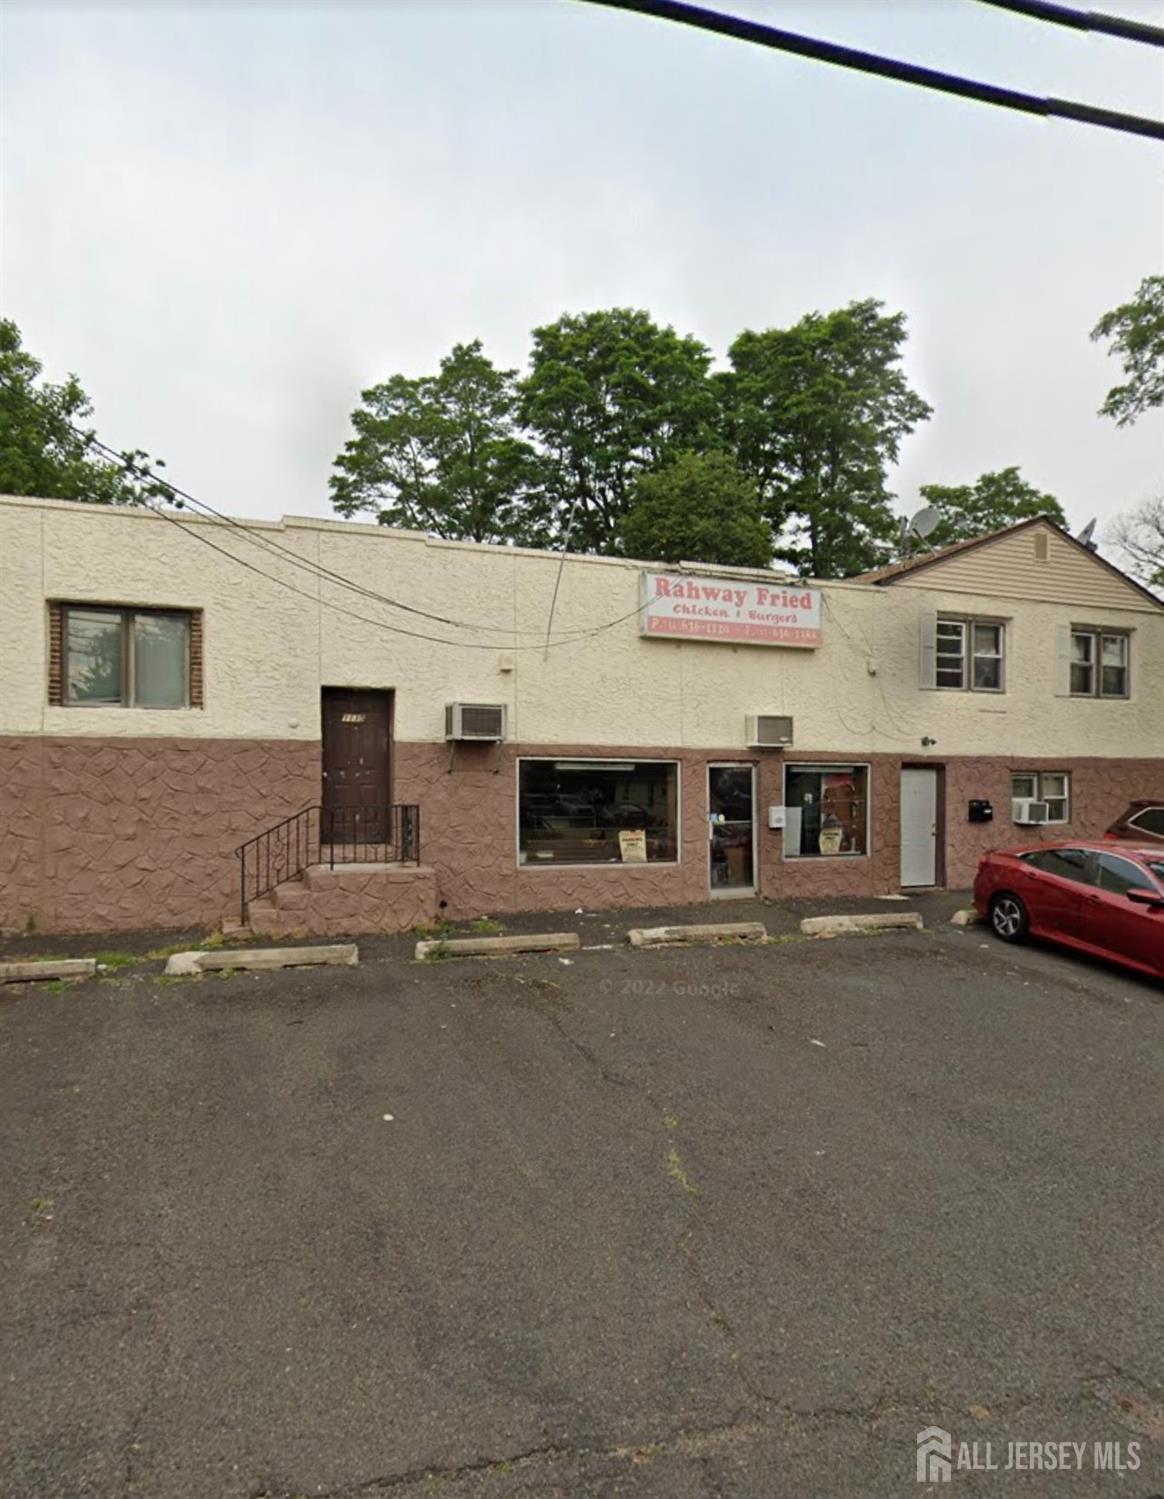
[357,733]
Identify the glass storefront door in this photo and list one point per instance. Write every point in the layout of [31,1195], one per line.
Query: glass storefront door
[731,833]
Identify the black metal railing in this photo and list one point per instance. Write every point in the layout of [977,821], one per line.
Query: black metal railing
[326,835]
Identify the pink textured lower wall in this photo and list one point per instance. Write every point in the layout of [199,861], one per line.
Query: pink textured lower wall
[102,834]
[1100,790]
[468,825]
[112,834]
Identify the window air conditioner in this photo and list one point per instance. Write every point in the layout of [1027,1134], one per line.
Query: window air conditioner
[768,731]
[1024,810]
[482,721]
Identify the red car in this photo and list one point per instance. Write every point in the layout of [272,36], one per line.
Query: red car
[1102,898]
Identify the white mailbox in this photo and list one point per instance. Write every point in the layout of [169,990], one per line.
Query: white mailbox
[775,817]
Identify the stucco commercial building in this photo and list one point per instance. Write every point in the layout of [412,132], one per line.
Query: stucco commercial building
[173,688]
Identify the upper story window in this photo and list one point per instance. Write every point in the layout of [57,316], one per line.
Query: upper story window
[1099,663]
[970,655]
[129,658]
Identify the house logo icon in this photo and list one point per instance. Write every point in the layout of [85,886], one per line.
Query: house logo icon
[934,1450]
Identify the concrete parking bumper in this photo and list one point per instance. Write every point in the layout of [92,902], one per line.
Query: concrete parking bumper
[190,964]
[836,926]
[58,968]
[714,931]
[484,947]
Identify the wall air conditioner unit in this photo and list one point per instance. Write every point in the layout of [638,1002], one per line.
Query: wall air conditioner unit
[484,722]
[1025,811]
[768,731]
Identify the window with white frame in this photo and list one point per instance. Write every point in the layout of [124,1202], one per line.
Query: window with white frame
[970,655]
[1099,663]
[132,658]
[1050,786]
[597,811]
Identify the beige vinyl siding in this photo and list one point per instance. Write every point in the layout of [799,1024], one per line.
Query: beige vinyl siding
[1008,568]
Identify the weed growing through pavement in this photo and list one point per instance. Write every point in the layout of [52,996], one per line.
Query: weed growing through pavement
[117,959]
[435,931]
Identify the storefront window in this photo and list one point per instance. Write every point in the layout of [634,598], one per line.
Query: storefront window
[597,811]
[825,810]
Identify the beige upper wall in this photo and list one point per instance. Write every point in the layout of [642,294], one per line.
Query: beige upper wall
[1037,563]
[268,649]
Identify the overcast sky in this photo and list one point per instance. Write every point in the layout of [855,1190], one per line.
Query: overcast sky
[229,219]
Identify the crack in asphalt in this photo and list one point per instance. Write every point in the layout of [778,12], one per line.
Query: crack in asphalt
[695,1441]
[683,1441]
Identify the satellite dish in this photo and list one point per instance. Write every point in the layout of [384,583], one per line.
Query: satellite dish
[925,520]
[1084,537]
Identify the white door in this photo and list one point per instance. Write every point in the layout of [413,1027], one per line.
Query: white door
[919,827]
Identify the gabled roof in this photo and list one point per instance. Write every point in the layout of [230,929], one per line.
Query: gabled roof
[911,565]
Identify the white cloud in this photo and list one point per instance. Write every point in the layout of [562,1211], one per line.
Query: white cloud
[229,220]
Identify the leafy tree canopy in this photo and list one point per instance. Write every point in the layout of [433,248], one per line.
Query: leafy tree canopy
[442,453]
[609,396]
[1136,331]
[700,508]
[990,503]
[817,413]
[45,450]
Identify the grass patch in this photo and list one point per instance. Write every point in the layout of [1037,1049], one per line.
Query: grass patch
[486,926]
[676,1172]
[117,959]
[435,931]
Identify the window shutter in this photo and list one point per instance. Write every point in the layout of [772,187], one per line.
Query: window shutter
[928,642]
[1062,660]
[55,687]
[196,659]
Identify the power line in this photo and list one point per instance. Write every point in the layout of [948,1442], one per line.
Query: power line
[885,67]
[322,603]
[314,569]
[1084,20]
[141,470]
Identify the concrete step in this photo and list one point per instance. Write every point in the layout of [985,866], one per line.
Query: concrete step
[348,900]
[364,876]
[267,920]
[293,896]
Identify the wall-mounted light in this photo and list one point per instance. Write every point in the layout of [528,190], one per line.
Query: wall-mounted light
[927,741]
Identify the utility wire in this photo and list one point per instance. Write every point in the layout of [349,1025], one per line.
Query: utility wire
[885,67]
[463,645]
[314,569]
[1084,20]
[140,470]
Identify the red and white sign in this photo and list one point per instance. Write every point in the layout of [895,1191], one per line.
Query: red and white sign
[688,607]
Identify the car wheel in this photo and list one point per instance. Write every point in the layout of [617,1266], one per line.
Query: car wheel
[1008,917]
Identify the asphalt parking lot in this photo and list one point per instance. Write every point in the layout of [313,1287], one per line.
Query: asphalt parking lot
[721,1221]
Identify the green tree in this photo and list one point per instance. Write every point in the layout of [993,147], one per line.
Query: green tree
[610,395]
[699,508]
[442,453]
[989,504]
[816,414]
[1136,331]
[45,450]
[1140,536]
